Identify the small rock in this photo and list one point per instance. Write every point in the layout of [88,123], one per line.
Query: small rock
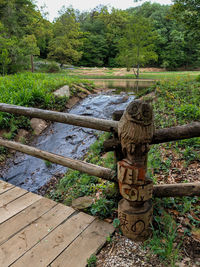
[63,91]
[38,125]
[72,101]
[82,202]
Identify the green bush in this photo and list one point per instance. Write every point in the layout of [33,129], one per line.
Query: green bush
[188,111]
[53,67]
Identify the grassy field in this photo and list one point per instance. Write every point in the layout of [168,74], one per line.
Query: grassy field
[122,73]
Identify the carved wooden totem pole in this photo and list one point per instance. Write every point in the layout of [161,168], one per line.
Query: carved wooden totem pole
[135,132]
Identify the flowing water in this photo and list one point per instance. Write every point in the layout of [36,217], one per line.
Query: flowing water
[71,141]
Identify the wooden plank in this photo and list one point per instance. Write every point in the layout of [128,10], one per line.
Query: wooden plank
[7,211]
[177,190]
[31,235]
[83,121]
[75,164]
[57,241]
[86,244]
[24,218]
[11,195]
[5,186]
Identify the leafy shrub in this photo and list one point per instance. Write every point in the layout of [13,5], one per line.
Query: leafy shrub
[53,67]
[102,208]
[198,78]
[188,112]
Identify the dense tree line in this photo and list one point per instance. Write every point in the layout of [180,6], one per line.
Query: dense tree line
[148,35]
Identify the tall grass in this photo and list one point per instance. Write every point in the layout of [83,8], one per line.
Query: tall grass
[30,90]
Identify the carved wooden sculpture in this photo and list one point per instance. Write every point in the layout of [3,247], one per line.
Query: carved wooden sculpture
[135,131]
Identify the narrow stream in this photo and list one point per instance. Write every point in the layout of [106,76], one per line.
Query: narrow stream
[31,173]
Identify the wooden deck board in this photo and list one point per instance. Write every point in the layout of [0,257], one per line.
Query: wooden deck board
[5,186]
[88,243]
[24,218]
[7,211]
[50,247]
[31,235]
[36,231]
[11,195]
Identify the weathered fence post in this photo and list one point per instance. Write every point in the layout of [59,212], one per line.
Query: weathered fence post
[135,131]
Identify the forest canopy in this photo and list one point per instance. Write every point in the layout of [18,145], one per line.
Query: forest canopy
[148,35]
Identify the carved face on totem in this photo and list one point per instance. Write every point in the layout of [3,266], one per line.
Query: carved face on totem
[140,112]
[135,130]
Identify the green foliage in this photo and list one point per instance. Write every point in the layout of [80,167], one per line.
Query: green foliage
[22,32]
[53,67]
[187,12]
[75,184]
[162,243]
[48,163]
[189,112]
[64,47]
[92,261]
[102,208]
[4,61]
[116,222]
[136,48]
[30,90]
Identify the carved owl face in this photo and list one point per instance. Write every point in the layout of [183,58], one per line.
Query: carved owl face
[140,112]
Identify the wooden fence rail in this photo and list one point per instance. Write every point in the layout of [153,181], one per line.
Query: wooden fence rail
[82,121]
[132,136]
[160,136]
[164,190]
[78,165]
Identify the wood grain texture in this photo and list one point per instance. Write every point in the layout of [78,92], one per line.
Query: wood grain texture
[11,195]
[135,131]
[86,244]
[79,165]
[12,226]
[31,235]
[83,121]
[177,190]
[58,240]
[7,211]
[5,187]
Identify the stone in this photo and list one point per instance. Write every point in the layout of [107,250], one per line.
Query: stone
[82,203]
[72,101]
[63,91]
[38,125]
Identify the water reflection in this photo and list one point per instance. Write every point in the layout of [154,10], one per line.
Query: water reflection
[126,85]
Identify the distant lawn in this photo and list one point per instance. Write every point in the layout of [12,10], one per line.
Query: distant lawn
[169,75]
[121,73]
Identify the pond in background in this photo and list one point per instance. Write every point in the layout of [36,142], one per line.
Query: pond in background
[129,86]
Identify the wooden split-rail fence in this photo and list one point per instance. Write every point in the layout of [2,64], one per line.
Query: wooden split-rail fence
[133,133]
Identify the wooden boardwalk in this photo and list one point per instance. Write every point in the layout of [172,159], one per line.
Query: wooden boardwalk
[35,231]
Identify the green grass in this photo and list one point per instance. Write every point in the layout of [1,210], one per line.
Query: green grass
[169,75]
[75,184]
[33,90]
[165,75]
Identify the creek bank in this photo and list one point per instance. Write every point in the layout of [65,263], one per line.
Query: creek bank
[66,140]
[37,126]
